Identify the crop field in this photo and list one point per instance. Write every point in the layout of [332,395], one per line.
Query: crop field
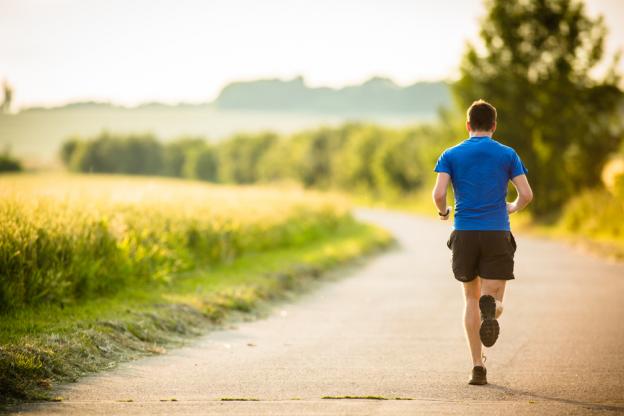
[98,269]
[68,238]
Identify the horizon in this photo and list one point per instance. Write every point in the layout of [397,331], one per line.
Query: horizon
[124,57]
[210,102]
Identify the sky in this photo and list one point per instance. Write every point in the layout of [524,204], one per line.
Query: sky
[129,52]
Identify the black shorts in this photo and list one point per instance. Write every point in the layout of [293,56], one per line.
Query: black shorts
[488,254]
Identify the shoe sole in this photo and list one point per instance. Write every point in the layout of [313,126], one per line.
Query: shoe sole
[490,328]
[489,332]
[477,383]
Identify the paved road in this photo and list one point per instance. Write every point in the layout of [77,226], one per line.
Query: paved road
[393,328]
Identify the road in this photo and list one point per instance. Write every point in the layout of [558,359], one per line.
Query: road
[393,328]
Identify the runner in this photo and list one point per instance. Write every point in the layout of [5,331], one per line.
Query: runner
[483,246]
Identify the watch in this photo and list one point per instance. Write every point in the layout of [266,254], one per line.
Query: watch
[448,211]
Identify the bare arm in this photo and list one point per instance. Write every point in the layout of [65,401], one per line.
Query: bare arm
[525,194]
[439,193]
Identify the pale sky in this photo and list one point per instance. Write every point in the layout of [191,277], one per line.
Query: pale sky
[133,51]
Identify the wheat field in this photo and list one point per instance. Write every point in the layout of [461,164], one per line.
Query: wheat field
[68,238]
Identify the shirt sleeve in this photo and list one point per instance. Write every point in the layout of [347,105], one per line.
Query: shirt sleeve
[443,164]
[517,167]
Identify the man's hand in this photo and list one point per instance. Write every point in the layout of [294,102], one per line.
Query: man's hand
[448,214]
[439,194]
[525,194]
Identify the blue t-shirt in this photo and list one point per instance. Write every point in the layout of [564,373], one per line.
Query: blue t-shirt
[480,170]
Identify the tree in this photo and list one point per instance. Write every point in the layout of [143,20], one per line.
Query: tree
[176,154]
[353,165]
[108,153]
[396,166]
[68,148]
[312,153]
[201,163]
[139,154]
[278,161]
[239,157]
[535,68]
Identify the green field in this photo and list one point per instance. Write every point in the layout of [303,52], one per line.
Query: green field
[98,269]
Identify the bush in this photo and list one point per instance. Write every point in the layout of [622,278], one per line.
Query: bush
[9,163]
[175,155]
[396,165]
[201,163]
[239,157]
[596,213]
[108,153]
[354,162]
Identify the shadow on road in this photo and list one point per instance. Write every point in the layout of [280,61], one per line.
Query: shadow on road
[588,405]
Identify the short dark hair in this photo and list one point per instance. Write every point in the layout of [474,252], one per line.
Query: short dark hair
[481,115]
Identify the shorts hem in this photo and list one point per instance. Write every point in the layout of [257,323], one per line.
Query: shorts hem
[466,280]
[498,278]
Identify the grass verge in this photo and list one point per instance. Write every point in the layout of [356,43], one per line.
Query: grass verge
[590,223]
[46,345]
[604,246]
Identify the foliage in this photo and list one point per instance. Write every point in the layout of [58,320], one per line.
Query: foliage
[68,148]
[402,163]
[596,213]
[201,163]
[8,163]
[239,157]
[109,153]
[67,239]
[176,157]
[536,70]
[311,156]
[355,157]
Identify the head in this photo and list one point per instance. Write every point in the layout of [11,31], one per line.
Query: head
[481,117]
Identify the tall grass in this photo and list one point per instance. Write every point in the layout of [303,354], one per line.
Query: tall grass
[64,239]
[597,214]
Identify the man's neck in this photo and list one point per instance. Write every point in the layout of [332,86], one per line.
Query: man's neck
[480,133]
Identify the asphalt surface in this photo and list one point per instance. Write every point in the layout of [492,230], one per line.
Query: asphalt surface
[393,328]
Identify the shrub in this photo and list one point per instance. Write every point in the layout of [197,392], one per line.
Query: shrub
[9,163]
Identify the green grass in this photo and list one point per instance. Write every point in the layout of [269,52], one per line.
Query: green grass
[68,238]
[599,244]
[45,345]
[97,269]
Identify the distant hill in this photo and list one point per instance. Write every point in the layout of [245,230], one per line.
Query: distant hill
[37,133]
[375,96]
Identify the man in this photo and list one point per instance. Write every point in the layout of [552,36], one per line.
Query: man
[483,247]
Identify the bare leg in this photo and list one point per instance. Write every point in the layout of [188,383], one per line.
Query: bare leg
[472,319]
[495,288]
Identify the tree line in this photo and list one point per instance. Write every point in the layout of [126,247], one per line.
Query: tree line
[355,157]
